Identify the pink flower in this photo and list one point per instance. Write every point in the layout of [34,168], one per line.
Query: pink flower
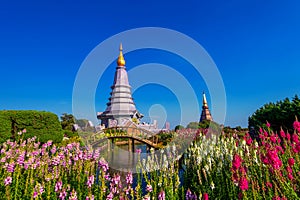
[35,194]
[161,195]
[149,188]
[90,181]
[291,161]
[7,181]
[268,184]
[268,124]
[276,198]
[243,183]
[138,151]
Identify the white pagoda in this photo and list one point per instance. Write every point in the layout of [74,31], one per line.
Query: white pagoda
[120,108]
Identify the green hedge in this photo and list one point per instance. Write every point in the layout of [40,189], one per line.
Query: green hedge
[44,125]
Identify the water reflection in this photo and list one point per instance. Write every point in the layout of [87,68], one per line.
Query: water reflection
[120,159]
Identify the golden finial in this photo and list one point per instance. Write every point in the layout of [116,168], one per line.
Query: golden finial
[121,60]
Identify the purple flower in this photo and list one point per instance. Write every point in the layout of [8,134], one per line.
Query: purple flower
[21,158]
[90,181]
[11,167]
[190,196]
[103,164]
[58,186]
[41,189]
[129,178]
[110,196]
[90,198]
[73,195]
[7,181]
[62,194]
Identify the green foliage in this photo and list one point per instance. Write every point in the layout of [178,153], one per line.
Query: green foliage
[44,125]
[178,127]
[193,125]
[279,114]
[69,134]
[75,139]
[67,121]
[82,122]
[209,124]
[5,126]
[165,137]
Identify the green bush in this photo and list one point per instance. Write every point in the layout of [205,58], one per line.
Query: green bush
[280,115]
[5,127]
[44,125]
[69,134]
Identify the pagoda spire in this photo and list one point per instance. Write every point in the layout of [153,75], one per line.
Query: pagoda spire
[121,60]
[205,115]
[120,107]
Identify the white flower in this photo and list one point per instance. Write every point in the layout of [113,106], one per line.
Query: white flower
[212,185]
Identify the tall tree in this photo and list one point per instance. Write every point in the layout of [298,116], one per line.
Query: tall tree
[280,114]
[67,121]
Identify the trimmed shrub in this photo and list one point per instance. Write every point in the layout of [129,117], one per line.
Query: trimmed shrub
[44,125]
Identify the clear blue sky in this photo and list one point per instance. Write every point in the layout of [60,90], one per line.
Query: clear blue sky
[255,45]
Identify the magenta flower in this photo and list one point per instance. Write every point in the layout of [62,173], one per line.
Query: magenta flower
[268,124]
[295,138]
[243,183]
[236,162]
[282,133]
[7,180]
[291,161]
[290,176]
[276,198]
[35,194]
[138,151]
[296,125]
[288,136]
[205,196]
